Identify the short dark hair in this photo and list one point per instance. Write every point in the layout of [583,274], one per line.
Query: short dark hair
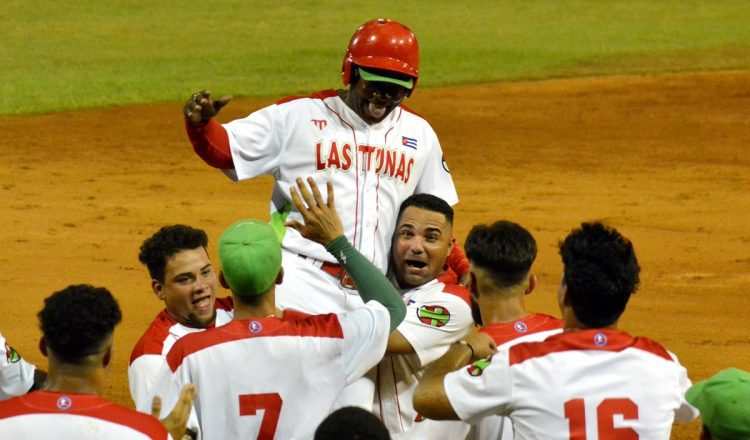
[352,423]
[428,202]
[505,249]
[600,272]
[77,320]
[167,241]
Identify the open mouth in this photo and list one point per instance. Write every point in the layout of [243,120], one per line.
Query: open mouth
[202,304]
[415,264]
[375,111]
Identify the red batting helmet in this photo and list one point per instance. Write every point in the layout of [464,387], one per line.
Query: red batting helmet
[382,44]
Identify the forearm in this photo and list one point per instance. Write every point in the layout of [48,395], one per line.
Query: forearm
[371,283]
[211,142]
[430,398]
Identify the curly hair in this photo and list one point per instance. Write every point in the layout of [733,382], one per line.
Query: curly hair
[77,320]
[428,202]
[167,241]
[600,271]
[505,249]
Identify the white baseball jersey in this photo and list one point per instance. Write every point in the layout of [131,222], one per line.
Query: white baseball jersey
[150,352]
[530,328]
[42,415]
[437,315]
[16,375]
[587,384]
[373,168]
[269,378]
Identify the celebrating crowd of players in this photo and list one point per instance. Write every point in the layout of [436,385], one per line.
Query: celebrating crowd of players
[357,300]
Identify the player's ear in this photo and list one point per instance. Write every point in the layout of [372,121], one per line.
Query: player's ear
[473,284]
[532,284]
[107,358]
[43,346]
[280,276]
[158,289]
[222,280]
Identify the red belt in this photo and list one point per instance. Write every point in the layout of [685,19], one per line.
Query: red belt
[336,271]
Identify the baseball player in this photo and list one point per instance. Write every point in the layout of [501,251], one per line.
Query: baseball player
[77,336]
[724,403]
[437,314]
[183,277]
[362,139]
[16,375]
[590,381]
[268,375]
[501,256]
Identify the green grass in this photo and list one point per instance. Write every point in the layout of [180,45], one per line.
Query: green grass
[61,55]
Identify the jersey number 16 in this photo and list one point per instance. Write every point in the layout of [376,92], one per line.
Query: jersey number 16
[575,412]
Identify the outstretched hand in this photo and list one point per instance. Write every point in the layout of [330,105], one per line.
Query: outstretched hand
[176,421]
[201,107]
[322,222]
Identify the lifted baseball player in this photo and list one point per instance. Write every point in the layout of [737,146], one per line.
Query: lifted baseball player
[289,368]
[374,150]
[78,326]
[183,277]
[591,381]
[16,375]
[437,314]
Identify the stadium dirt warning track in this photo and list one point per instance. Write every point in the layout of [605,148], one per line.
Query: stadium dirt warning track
[665,159]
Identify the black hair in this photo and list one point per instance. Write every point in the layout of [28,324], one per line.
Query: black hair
[505,249]
[77,320]
[600,272]
[428,202]
[166,242]
[351,423]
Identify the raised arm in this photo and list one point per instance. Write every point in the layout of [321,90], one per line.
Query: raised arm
[210,140]
[323,225]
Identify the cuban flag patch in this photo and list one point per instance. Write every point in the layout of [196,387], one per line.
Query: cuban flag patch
[409,142]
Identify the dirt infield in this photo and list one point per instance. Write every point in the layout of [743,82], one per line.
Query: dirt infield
[662,158]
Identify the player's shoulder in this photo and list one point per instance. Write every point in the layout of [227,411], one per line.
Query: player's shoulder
[152,340]
[456,291]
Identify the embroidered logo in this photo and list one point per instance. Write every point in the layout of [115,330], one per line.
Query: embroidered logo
[255,327]
[600,339]
[64,403]
[409,142]
[320,123]
[520,327]
[11,354]
[477,368]
[435,316]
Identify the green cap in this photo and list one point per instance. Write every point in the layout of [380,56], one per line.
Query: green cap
[250,257]
[374,77]
[724,403]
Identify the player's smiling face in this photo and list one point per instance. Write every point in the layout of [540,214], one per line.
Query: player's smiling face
[189,288]
[422,242]
[373,101]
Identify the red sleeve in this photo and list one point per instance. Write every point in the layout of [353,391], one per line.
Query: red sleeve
[457,261]
[211,142]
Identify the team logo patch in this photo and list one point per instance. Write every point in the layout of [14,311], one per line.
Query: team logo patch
[64,403]
[409,142]
[600,339]
[445,166]
[11,354]
[520,327]
[320,123]
[477,368]
[255,327]
[435,316]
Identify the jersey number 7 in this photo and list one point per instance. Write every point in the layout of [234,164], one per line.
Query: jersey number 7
[270,403]
[575,412]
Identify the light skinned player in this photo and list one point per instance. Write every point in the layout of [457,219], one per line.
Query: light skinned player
[267,376]
[501,256]
[183,277]
[78,325]
[437,314]
[362,139]
[591,381]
